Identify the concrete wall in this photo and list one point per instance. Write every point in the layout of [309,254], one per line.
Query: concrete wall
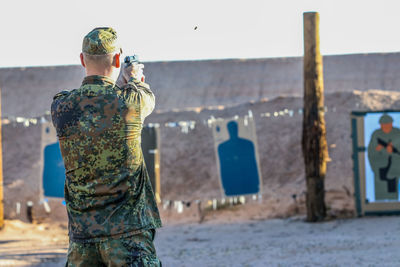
[28,92]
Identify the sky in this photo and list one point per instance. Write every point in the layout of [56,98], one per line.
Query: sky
[50,32]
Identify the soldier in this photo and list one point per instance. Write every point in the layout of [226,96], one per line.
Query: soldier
[384,156]
[110,202]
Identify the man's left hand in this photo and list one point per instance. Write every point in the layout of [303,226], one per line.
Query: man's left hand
[389,148]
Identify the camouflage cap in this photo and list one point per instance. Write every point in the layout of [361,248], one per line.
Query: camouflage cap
[101,41]
[385,119]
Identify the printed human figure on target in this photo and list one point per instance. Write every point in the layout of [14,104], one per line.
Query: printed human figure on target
[383,158]
[53,171]
[53,165]
[237,157]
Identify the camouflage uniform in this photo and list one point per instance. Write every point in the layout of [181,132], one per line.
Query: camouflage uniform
[110,202]
[137,251]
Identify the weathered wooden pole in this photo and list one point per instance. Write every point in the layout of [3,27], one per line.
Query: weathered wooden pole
[315,150]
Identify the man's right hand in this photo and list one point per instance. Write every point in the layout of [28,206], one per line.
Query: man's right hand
[379,147]
[130,71]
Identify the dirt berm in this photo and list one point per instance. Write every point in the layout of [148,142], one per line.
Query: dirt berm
[188,165]
[28,92]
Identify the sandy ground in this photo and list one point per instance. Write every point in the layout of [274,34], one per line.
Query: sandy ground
[23,244]
[277,242]
[369,241]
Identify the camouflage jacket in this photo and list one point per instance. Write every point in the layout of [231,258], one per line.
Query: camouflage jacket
[107,188]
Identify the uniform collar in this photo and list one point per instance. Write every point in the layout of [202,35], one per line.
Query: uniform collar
[98,79]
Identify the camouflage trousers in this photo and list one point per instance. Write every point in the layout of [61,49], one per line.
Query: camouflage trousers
[137,250]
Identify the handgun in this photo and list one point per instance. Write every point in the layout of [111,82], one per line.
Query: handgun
[129,60]
[385,144]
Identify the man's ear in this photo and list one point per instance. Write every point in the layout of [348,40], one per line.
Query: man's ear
[117,60]
[82,60]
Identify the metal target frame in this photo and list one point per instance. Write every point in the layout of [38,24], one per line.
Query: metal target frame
[359,149]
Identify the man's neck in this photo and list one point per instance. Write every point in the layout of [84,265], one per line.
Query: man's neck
[107,73]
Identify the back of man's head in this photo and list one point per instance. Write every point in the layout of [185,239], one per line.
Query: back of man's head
[99,48]
[98,61]
[101,41]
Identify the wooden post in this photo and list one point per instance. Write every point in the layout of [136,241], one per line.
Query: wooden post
[1,172]
[315,150]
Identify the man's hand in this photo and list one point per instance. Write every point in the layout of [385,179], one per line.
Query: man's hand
[379,147]
[130,71]
[389,148]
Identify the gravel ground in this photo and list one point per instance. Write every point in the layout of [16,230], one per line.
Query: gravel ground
[279,242]
[291,242]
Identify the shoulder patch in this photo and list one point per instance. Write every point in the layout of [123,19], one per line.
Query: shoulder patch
[62,93]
